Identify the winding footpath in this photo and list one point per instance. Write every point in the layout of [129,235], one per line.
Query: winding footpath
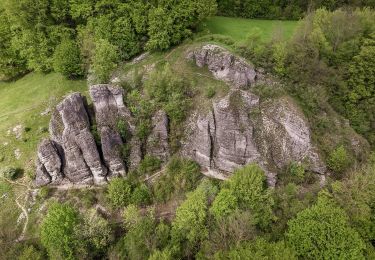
[21,237]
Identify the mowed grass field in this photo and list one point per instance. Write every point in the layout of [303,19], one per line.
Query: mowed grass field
[21,104]
[239,28]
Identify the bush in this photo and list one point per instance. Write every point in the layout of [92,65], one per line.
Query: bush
[149,164]
[30,252]
[119,192]
[104,60]
[181,176]
[141,195]
[44,192]
[11,173]
[338,160]
[67,59]
[248,186]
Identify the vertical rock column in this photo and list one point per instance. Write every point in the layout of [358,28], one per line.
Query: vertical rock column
[107,102]
[83,163]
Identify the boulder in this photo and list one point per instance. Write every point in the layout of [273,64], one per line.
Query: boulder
[224,65]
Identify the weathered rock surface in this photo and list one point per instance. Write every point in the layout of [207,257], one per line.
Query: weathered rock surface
[50,160]
[239,131]
[288,135]
[83,163]
[108,102]
[224,65]
[157,142]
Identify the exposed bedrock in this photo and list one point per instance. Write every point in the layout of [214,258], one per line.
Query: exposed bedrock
[108,102]
[224,65]
[82,160]
[238,131]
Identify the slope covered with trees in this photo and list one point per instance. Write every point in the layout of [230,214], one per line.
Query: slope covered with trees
[68,36]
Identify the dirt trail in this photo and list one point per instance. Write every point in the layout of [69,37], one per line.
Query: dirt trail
[21,237]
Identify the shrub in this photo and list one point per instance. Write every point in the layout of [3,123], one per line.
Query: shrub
[67,59]
[11,173]
[44,192]
[296,170]
[210,92]
[104,60]
[181,176]
[30,252]
[119,192]
[141,195]
[338,160]
[149,164]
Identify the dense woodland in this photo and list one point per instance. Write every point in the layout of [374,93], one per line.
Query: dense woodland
[283,9]
[328,66]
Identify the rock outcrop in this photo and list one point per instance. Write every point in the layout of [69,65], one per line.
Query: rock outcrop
[108,104]
[224,65]
[238,129]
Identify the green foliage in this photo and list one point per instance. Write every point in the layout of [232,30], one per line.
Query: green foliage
[259,249]
[281,9]
[119,192]
[338,160]
[309,231]
[248,186]
[104,60]
[96,233]
[141,195]
[188,227]
[141,238]
[44,192]
[170,91]
[361,87]
[58,231]
[30,252]
[33,32]
[67,60]
[224,204]
[149,164]
[181,176]
[11,173]
[356,195]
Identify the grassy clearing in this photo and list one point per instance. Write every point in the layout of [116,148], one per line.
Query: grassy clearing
[21,103]
[239,28]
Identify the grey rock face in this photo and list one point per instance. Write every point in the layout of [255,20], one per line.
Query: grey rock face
[288,135]
[224,65]
[108,102]
[83,164]
[50,161]
[157,142]
[239,131]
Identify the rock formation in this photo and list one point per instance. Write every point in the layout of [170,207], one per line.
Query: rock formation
[238,129]
[224,65]
[108,105]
